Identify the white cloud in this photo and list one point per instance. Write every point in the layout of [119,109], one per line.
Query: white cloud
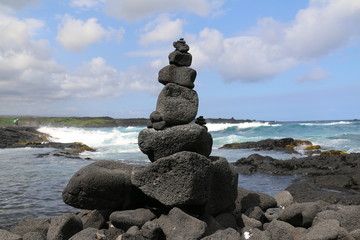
[161,29]
[315,74]
[30,76]
[76,35]
[132,10]
[273,47]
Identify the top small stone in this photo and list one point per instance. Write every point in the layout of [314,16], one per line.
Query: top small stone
[181,45]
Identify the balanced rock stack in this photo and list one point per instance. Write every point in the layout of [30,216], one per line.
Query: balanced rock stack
[182,180]
[182,173]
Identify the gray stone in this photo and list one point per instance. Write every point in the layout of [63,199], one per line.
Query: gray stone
[151,230]
[212,225]
[102,185]
[256,213]
[327,229]
[247,199]
[224,183]
[128,218]
[178,225]
[280,230]
[348,216]
[302,214]
[181,45]
[189,137]
[132,233]
[177,104]
[183,76]
[31,225]
[246,221]
[254,233]
[34,236]
[89,234]
[181,179]
[284,198]
[180,58]
[228,234]
[64,227]
[273,213]
[94,218]
[6,235]
[227,220]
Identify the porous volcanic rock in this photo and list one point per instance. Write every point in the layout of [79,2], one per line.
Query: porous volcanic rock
[181,179]
[103,184]
[177,104]
[183,76]
[190,137]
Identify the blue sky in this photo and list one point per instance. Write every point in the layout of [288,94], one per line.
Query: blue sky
[255,59]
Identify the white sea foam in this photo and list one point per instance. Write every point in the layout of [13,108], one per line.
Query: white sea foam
[213,127]
[326,124]
[92,136]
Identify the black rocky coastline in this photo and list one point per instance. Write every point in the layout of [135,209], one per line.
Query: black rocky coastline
[185,193]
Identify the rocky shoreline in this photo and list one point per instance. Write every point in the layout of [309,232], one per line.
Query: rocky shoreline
[185,193]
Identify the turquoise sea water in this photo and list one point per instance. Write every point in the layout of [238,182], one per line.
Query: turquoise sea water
[32,186]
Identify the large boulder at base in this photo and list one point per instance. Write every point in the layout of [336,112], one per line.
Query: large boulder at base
[189,137]
[177,104]
[181,179]
[64,227]
[178,225]
[183,76]
[102,185]
[224,183]
[128,218]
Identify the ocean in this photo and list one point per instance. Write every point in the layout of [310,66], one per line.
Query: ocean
[31,186]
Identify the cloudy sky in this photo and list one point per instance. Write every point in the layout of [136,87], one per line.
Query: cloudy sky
[255,59]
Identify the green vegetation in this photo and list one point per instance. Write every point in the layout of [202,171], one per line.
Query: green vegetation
[7,121]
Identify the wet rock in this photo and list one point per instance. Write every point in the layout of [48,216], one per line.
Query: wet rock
[103,185]
[177,104]
[190,137]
